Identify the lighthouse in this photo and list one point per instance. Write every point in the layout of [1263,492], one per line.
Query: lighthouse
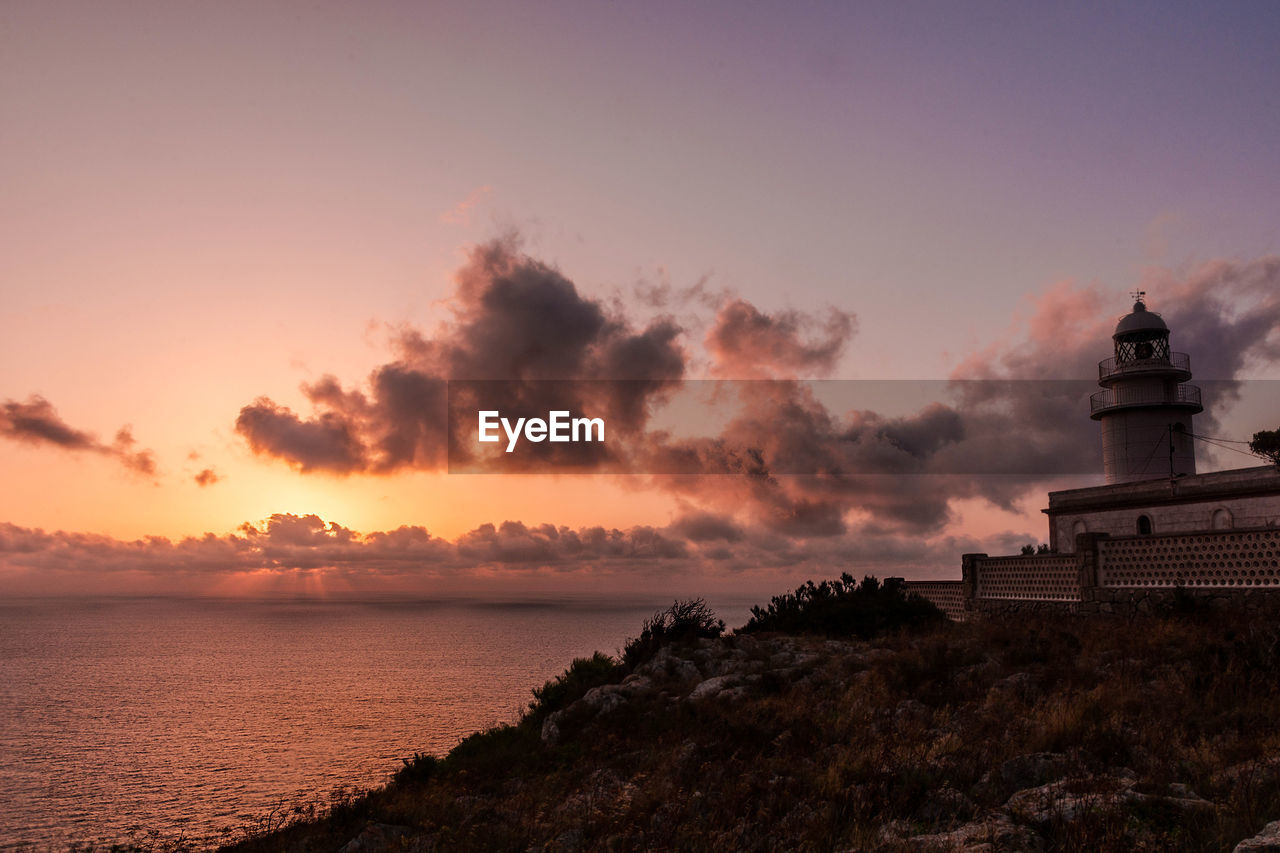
[1145,405]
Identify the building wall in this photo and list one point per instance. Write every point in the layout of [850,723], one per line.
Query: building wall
[1135,443]
[1212,514]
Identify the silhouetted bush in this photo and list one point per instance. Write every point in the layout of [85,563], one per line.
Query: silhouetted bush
[682,622]
[420,768]
[569,686]
[844,607]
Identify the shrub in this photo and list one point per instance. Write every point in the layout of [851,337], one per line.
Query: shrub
[682,622]
[844,607]
[496,750]
[569,686]
[420,768]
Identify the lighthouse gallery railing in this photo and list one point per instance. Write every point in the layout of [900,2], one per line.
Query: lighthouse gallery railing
[1181,394]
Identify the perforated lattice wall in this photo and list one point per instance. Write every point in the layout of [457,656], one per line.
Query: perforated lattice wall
[1222,558]
[1053,578]
[947,596]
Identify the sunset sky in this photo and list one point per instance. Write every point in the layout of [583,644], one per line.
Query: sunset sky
[240,241]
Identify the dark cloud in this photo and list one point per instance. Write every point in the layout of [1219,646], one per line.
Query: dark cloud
[37,422]
[707,527]
[287,543]
[327,442]
[206,477]
[516,321]
[507,557]
[1012,421]
[745,343]
[784,458]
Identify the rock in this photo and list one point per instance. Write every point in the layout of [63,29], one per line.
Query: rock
[1266,841]
[376,838]
[605,698]
[944,804]
[711,687]
[686,670]
[1253,773]
[551,729]
[1037,768]
[893,831]
[996,832]
[1068,799]
[713,668]
[1181,796]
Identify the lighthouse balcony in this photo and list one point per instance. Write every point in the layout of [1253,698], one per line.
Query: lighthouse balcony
[1181,396]
[1177,365]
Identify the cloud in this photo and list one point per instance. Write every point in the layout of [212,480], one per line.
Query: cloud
[1011,421]
[784,457]
[324,443]
[36,422]
[293,553]
[515,321]
[206,477]
[460,213]
[747,344]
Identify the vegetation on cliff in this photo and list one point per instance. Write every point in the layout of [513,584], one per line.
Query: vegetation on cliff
[1155,733]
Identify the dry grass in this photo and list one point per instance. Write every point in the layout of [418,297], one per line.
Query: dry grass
[914,733]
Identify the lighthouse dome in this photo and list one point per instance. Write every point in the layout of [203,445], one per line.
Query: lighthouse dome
[1141,320]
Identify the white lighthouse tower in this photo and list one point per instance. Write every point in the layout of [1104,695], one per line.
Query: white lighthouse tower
[1146,405]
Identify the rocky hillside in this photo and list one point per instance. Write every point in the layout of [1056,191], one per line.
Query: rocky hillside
[1156,734]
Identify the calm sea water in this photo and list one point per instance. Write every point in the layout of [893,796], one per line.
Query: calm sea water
[119,717]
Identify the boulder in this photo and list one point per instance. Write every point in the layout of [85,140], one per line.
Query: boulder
[1266,841]
[995,832]
[712,687]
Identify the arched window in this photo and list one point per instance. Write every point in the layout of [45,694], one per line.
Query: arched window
[1144,525]
[1222,519]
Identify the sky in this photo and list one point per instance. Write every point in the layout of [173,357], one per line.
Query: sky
[244,245]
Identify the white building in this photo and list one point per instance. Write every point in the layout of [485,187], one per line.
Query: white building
[1157,528]
[1148,452]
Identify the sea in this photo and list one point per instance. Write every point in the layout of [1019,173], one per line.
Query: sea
[146,719]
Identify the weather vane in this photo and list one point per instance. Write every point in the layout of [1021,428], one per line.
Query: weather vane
[1137,295]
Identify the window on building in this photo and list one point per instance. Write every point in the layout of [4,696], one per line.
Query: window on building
[1222,519]
[1076,530]
[1144,525]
